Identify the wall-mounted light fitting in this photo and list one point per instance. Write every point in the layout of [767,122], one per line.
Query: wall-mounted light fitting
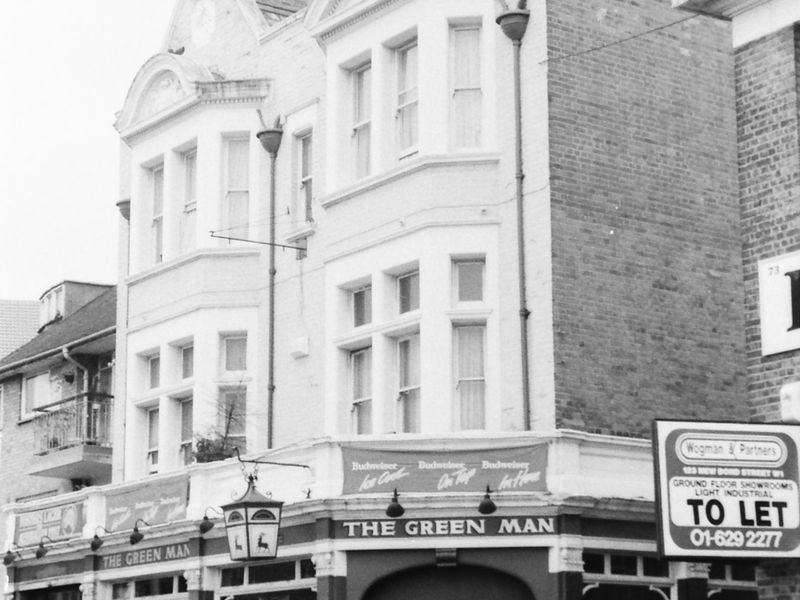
[487,506]
[207,524]
[97,541]
[137,536]
[395,509]
[42,549]
[10,556]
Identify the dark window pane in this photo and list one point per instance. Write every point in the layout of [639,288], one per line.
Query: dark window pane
[623,565]
[743,571]
[182,585]
[592,563]
[716,570]
[153,587]
[653,567]
[307,569]
[234,576]
[272,572]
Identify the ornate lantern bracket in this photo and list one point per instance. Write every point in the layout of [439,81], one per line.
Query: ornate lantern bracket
[252,521]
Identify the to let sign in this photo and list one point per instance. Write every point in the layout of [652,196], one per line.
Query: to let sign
[727,489]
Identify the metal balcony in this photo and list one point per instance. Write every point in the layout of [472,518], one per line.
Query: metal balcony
[72,438]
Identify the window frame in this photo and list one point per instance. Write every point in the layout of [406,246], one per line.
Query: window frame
[404,388]
[305,172]
[404,89]
[186,444]
[26,410]
[367,306]
[189,210]
[240,419]
[459,408]
[183,351]
[153,358]
[152,461]
[232,337]
[235,230]
[361,118]
[457,279]
[157,191]
[398,280]
[362,402]
[456,88]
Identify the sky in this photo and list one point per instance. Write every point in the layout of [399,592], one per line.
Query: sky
[66,69]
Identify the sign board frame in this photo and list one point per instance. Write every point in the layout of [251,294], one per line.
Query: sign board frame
[727,489]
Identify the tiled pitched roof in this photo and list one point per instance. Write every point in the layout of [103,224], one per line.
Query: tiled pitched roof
[19,320]
[95,316]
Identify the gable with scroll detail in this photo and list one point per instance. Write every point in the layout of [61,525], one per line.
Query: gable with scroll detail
[165,90]
[164,84]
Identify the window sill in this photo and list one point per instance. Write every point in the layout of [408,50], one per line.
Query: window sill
[410,165]
[307,229]
[179,261]
[180,389]
[231,381]
[469,314]
[357,339]
[405,324]
[148,399]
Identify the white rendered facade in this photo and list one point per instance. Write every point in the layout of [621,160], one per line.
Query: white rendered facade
[427,196]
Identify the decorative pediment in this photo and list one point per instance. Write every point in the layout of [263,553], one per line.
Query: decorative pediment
[164,82]
[326,17]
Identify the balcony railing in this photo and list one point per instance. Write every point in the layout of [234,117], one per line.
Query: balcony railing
[80,420]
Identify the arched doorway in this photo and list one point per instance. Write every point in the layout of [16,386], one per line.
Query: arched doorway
[449,583]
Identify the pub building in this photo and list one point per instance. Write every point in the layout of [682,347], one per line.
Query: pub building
[566,516]
[445,261]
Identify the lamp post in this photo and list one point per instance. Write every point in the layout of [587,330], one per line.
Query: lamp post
[270,139]
[514,22]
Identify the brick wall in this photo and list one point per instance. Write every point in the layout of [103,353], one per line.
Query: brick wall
[778,580]
[769,177]
[18,448]
[646,261]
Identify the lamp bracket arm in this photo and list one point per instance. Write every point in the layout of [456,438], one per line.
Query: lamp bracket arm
[268,462]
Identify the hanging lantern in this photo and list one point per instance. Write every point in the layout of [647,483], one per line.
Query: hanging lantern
[252,524]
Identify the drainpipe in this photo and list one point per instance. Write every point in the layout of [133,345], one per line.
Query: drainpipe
[66,355]
[270,139]
[514,23]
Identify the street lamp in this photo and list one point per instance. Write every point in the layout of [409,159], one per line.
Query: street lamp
[270,139]
[514,22]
